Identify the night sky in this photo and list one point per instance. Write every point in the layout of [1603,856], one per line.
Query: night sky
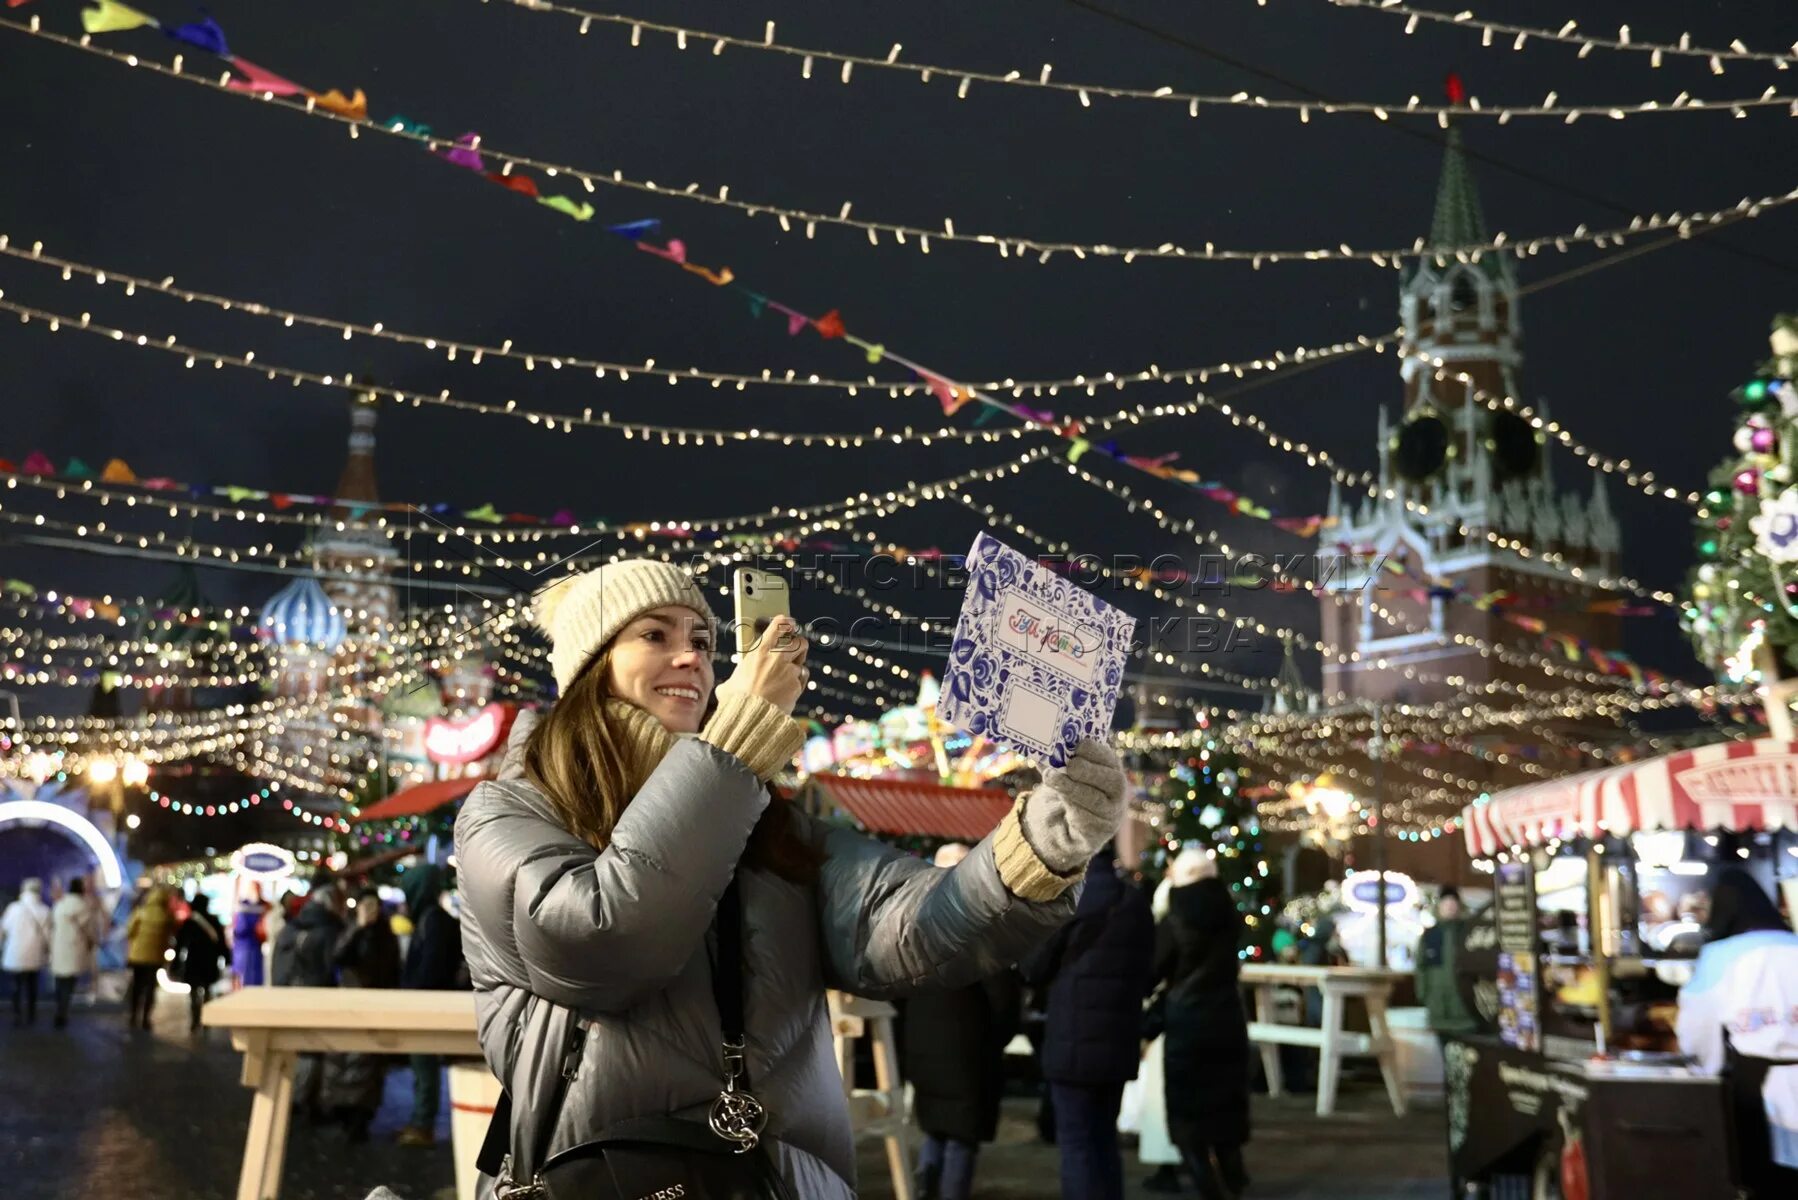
[140,174]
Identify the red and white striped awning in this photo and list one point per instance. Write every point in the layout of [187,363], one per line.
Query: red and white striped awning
[1735,786]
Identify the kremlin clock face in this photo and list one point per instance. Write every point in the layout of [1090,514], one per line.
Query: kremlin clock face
[1421,447]
[1515,451]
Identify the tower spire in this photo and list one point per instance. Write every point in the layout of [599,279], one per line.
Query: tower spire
[358,479]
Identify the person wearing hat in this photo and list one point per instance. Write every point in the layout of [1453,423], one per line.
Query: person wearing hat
[1438,987]
[1206,1060]
[25,948]
[592,869]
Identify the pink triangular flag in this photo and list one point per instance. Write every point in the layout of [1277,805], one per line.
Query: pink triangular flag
[248,77]
[38,463]
[676,250]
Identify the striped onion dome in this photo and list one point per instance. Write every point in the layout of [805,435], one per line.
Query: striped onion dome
[302,613]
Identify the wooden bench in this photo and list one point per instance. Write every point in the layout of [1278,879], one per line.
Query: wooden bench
[1370,985]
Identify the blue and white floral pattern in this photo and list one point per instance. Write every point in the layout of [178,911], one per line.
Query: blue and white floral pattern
[986,669]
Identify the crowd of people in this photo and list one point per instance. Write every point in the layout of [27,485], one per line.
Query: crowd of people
[174,943]
[649,929]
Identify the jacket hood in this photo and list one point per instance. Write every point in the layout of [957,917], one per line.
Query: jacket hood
[1205,904]
[512,765]
[315,916]
[422,885]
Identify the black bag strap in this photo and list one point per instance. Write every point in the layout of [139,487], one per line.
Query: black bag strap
[727,992]
[727,978]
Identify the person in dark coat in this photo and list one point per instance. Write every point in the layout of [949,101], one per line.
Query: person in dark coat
[1207,1047]
[955,1061]
[200,947]
[433,962]
[367,956]
[1097,970]
[304,958]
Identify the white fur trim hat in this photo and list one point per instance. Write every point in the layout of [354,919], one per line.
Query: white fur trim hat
[583,612]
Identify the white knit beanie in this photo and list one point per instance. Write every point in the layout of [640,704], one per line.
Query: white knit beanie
[583,612]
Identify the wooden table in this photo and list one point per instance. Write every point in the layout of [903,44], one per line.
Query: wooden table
[274,1025]
[1370,985]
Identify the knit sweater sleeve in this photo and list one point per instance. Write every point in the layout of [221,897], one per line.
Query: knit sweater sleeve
[758,734]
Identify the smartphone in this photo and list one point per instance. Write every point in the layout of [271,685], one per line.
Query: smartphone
[760,597]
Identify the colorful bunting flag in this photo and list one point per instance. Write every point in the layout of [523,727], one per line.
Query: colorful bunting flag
[484,513]
[38,463]
[251,78]
[563,204]
[109,16]
[675,251]
[830,325]
[355,108]
[634,230]
[718,278]
[876,352]
[78,470]
[522,184]
[465,154]
[402,125]
[204,33]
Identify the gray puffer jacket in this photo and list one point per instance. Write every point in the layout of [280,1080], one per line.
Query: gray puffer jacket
[558,934]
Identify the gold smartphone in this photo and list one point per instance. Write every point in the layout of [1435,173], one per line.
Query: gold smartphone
[760,597]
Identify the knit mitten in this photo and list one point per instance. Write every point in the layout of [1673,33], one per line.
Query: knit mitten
[1076,809]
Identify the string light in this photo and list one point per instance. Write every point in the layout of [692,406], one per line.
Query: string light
[668,435]
[1636,477]
[1010,246]
[1083,92]
[1568,34]
[475,353]
[1485,648]
[234,557]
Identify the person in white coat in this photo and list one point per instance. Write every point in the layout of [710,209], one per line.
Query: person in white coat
[25,930]
[77,927]
[1738,1016]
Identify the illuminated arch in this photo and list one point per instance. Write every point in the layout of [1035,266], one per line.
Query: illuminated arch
[42,812]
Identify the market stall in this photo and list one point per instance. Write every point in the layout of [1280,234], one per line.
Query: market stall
[1601,888]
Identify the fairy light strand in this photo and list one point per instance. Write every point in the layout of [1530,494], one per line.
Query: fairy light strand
[475,353]
[1016,246]
[1084,93]
[1569,33]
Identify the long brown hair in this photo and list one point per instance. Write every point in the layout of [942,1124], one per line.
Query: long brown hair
[578,756]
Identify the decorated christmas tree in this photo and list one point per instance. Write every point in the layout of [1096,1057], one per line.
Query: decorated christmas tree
[1202,793]
[1744,591]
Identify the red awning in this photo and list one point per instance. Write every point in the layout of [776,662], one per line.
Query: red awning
[419,799]
[908,808]
[1737,786]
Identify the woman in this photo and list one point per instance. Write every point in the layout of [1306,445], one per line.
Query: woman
[147,936]
[1155,1145]
[592,869]
[25,947]
[1206,1059]
[366,956]
[1096,973]
[77,929]
[955,1061]
[199,945]
[246,939]
[1738,1016]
